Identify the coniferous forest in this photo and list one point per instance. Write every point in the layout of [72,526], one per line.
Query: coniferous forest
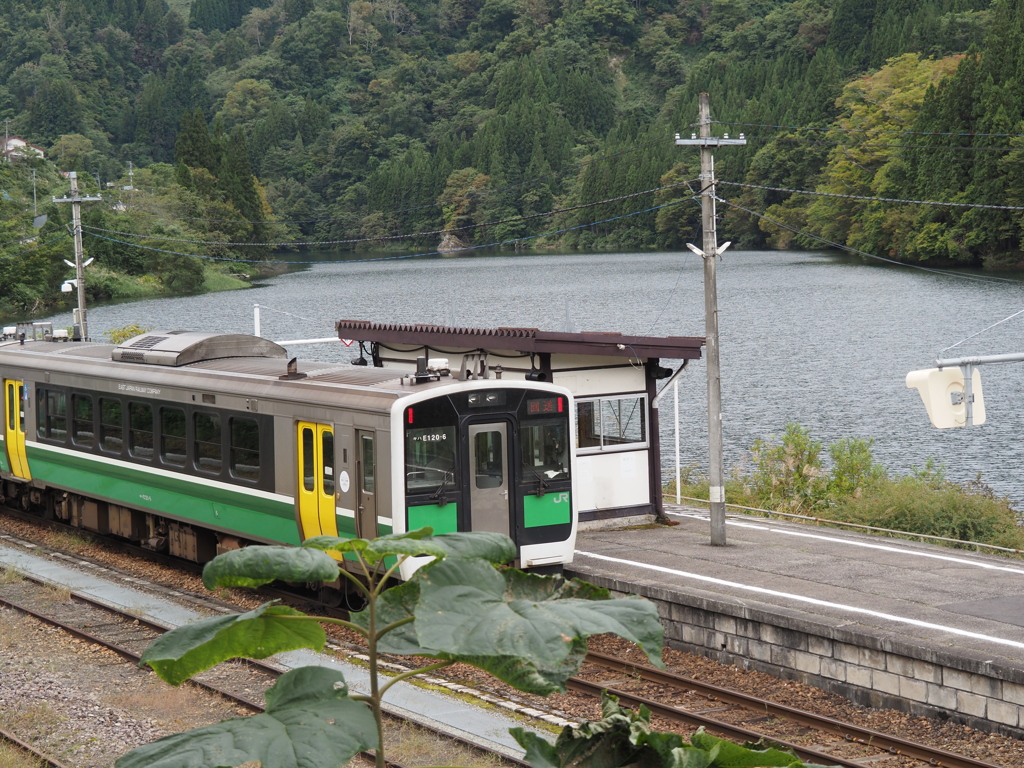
[226,133]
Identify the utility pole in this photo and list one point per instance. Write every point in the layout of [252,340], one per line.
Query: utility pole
[81,324]
[711,251]
[7,140]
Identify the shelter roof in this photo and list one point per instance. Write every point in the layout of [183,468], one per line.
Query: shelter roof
[524,340]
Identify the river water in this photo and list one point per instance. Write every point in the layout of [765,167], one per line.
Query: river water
[816,338]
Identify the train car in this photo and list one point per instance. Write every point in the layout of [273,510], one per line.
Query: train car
[198,443]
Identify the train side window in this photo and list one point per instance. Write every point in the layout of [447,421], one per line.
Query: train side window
[308,460]
[368,465]
[245,449]
[140,430]
[172,436]
[327,453]
[52,420]
[82,428]
[208,445]
[111,425]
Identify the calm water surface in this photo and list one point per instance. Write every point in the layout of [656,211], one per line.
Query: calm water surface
[809,337]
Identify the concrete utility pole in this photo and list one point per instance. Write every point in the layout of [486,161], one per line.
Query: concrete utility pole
[711,251]
[81,332]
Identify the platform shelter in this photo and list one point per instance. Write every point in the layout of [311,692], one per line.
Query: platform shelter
[613,377]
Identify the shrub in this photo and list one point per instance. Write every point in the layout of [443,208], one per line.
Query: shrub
[788,477]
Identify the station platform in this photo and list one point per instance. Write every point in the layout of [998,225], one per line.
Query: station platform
[885,622]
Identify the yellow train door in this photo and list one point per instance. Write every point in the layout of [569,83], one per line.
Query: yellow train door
[14,428]
[315,494]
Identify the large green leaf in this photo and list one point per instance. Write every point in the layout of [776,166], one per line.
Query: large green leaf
[506,622]
[495,548]
[624,738]
[467,607]
[731,755]
[309,723]
[269,629]
[257,565]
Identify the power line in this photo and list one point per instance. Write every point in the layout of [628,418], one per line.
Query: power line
[37,247]
[397,257]
[381,238]
[876,199]
[870,130]
[983,330]
[525,183]
[857,251]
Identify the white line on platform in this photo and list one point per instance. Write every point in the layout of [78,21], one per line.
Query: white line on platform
[809,600]
[866,545]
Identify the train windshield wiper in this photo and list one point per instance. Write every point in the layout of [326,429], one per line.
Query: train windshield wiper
[439,494]
[542,484]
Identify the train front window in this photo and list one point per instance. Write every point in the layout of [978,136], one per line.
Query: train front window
[545,451]
[429,459]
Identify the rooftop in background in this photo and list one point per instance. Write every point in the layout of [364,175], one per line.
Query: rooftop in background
[525,340]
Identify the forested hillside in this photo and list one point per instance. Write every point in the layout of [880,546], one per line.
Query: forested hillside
[378,123]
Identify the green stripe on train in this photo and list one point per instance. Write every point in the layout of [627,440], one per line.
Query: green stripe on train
[549,509]
[442,519]
[183,497]
[4,466]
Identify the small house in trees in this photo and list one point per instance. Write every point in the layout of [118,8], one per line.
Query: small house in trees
[16,148]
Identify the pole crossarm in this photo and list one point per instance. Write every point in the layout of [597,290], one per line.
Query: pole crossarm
[958,362]
[712,141]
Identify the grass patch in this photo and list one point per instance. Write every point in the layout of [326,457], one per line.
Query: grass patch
[15,630]
[9,575]
[156,701]
[70,541]
[12,757]
[215,279]
[413,746]
[788,474]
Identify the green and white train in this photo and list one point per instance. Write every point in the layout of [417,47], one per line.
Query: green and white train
[198,443]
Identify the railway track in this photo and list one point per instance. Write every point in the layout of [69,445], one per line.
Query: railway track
[240,681]
[669,686]
[33,753]
[717,711]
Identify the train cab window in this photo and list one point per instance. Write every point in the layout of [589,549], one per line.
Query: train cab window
[611,423]
[429,459]
[140,430]
[488,459]
[208,445]
[82,429]
[111,425]
[245,449]
[545,451]
[172,436]
[52,420]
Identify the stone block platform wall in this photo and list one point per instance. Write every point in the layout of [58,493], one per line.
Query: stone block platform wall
[864,664]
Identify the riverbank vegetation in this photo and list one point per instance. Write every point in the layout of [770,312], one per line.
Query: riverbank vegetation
[790,474]
[252,125]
